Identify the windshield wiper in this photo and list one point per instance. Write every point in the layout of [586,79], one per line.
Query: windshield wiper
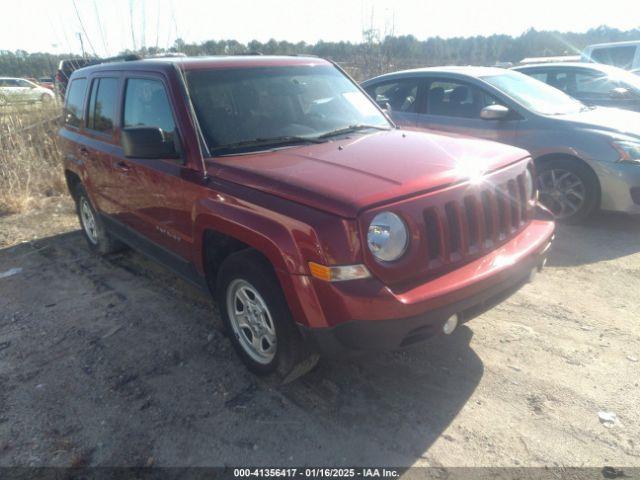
[350,129]
[267,142]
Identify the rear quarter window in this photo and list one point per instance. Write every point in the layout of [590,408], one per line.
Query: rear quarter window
[73,114]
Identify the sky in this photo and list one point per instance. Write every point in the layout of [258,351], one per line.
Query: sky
[106,25]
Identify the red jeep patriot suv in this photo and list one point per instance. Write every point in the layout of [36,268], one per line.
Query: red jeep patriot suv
[277,184]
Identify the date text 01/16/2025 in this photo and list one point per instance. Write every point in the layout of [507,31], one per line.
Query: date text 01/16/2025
[320,472]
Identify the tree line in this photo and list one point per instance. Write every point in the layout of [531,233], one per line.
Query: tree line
[373,55]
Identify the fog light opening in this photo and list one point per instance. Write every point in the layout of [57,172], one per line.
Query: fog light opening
[450,325]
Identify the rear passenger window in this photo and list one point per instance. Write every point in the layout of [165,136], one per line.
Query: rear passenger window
[146,105]
[102,105]
[400,95]
[542,76]
[75,97]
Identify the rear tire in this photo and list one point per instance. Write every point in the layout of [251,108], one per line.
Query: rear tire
[95,233]
[569,189]
[257,318]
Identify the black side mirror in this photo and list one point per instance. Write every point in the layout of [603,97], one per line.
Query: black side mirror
[147,142]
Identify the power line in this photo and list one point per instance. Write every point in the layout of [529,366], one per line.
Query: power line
[104,40]
[157,25]
[133,35]
[83,29]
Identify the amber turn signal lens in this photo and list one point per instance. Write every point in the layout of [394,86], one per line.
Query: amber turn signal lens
[320,271]
[338,274]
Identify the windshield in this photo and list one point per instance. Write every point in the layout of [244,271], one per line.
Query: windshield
[257,107]
[535,95]
[628,78]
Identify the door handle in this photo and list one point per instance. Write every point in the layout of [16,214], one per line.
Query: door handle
[122,166]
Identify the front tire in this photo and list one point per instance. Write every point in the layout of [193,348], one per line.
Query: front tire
[95,233]
[569,189]
[257,318]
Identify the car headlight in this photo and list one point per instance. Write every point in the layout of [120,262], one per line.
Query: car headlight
[387,237]
[529,185]
[629,150]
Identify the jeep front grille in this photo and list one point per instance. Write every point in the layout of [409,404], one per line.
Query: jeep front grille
[475,223]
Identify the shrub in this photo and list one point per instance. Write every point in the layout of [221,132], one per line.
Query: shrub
[30,156]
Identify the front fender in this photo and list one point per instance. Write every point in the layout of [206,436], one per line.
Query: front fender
[265,232]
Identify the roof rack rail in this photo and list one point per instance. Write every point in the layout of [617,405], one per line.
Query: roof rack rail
[250,53]
[165,55]
[130,57]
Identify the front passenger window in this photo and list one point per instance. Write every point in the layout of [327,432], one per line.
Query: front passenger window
[593,84]
[146,105]
[453,99]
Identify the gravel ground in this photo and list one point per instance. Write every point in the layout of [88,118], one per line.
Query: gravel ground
[114,361]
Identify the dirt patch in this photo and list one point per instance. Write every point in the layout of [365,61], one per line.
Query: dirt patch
[114,361]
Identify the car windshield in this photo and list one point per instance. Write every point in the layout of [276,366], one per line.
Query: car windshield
[535,95]
[628,79]
[261,107]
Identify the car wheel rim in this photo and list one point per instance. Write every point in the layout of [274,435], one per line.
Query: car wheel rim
[88,221]
[561,191]
[251,321]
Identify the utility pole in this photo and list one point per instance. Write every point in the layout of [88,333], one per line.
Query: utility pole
[84,55]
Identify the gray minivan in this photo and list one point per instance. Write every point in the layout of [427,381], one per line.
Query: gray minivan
[586,157]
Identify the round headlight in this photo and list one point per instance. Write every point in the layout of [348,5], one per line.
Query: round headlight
[387,237]
[529,185]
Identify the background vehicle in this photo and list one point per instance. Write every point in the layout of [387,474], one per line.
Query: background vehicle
[316,224]
[67,67]
[585,157]
[555,59]
[591,83]
[46,82]
[16,90]
[620,54]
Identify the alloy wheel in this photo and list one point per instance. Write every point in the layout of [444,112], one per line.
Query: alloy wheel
[561,191]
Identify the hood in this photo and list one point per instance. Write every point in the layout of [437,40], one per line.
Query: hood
[346,176]
[614,120]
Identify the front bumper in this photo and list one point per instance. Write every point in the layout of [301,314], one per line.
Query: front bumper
[620,187]
[423,311]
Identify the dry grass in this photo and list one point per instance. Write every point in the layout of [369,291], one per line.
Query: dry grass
[30,157]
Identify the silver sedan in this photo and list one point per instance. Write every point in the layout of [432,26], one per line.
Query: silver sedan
[586,157]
